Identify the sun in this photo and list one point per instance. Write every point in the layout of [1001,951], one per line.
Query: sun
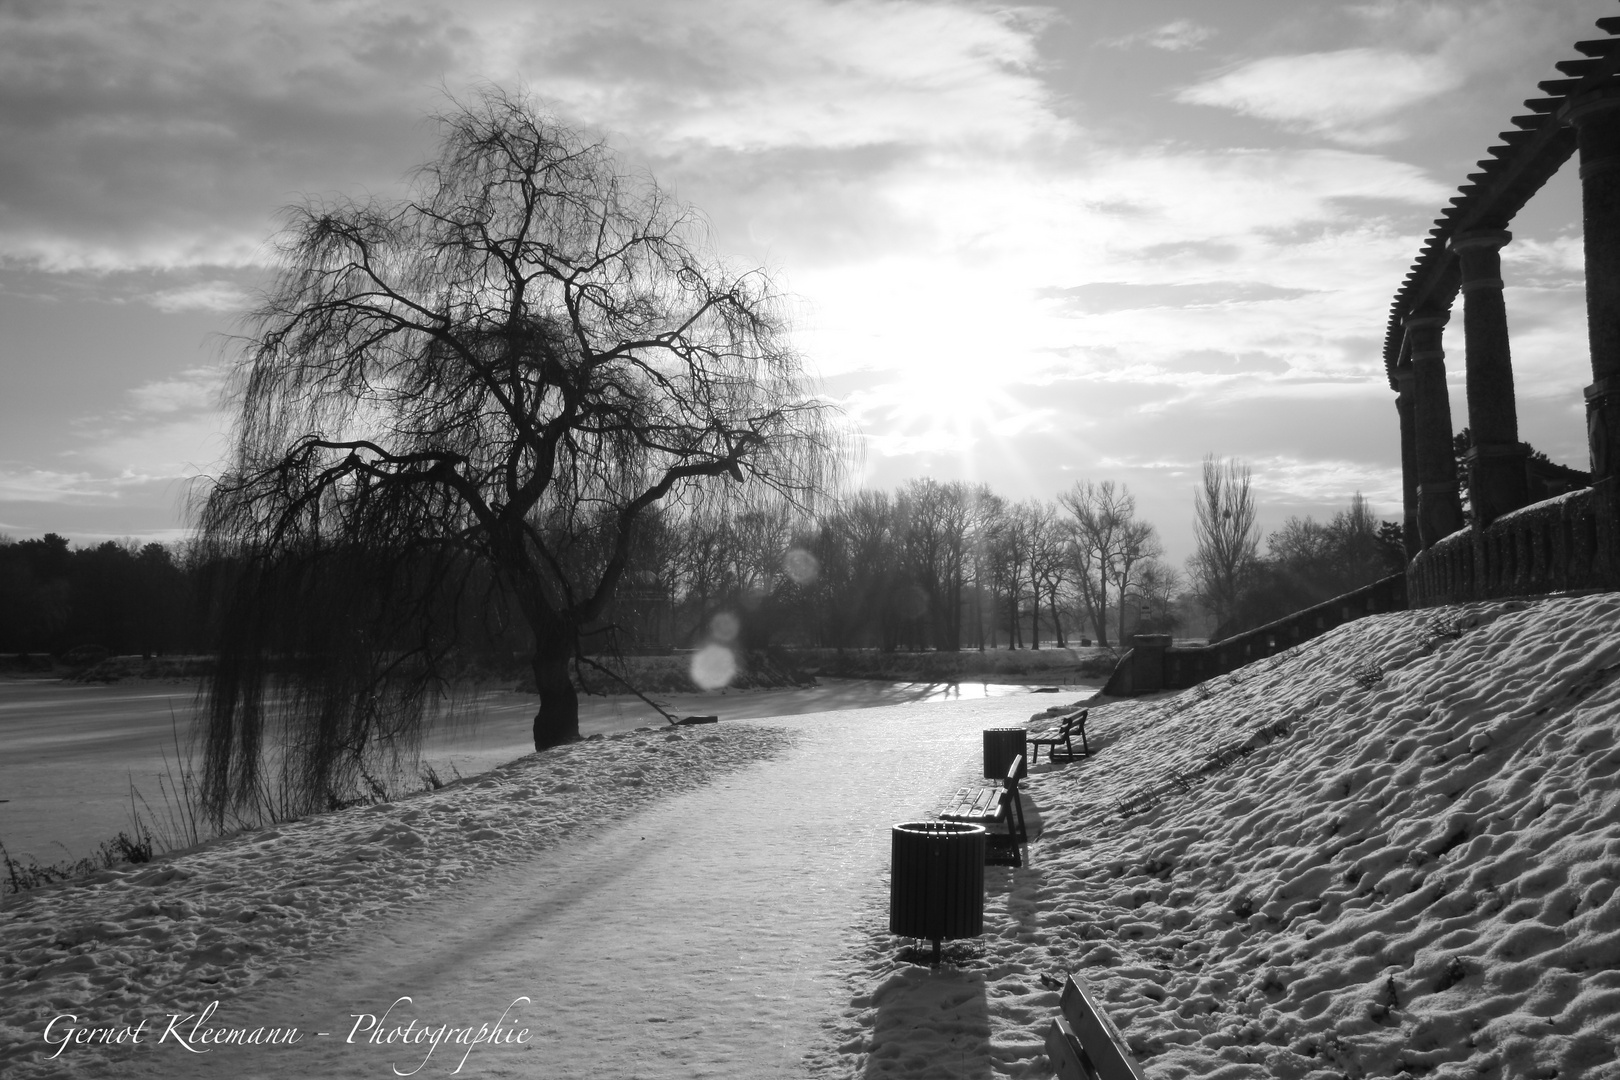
[940,410]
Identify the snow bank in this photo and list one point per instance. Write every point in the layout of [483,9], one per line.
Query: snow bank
[1392,851]
[198,927]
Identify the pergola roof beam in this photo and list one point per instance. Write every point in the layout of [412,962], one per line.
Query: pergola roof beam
[1515,170]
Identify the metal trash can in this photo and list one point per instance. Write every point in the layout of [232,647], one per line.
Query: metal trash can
[1001,745]
[936,881]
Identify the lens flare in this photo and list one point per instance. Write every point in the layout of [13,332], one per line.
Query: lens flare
[724,628]
[801,566]
[713,666]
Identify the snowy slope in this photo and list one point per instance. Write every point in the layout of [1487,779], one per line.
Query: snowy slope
[1410,871]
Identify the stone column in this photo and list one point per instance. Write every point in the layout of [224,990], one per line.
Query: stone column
[1596,117]
[1496,462]
[1439,508]
[1405,402]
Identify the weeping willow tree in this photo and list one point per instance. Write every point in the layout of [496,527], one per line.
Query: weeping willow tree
[451,414]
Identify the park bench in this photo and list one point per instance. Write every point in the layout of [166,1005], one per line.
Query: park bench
[994,806]
[1074,723]
[1084,1044]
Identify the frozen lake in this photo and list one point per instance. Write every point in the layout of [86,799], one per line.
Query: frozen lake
[75,752]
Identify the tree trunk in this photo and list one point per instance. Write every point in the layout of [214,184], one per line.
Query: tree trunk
[557,721]
[1102,616]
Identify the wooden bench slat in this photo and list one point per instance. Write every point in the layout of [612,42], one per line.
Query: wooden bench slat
[1067,1056]
[984,804]
[987,806]
[1098,1039]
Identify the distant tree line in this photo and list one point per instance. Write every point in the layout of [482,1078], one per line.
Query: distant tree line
[119,596]
[929,565]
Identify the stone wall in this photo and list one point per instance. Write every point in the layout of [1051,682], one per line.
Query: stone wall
[1153,664]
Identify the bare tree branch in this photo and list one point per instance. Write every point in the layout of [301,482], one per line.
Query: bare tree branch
[495,380]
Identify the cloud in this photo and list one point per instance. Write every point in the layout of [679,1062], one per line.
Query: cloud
[743,75]
[1290,487]
[188,390]
[1481,37]
[1561,260]
[1098,297]
[166,134]
[1180,35]
[168,431]
[165,450]
[22,483]
[212,295]
[1349,95]
[1365,85]
[1017,284]
[989,283]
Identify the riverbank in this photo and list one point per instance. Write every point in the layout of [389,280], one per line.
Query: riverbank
[1045,666]
[671,672]
[76,753]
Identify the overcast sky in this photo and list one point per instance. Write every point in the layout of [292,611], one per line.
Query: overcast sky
[1030,244]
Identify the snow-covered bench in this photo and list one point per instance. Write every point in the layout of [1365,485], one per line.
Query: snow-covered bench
[1084,1044]
[994,806]
[1073,724]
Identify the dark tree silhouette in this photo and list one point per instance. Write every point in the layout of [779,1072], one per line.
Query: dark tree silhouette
[1546,477]
[457,408]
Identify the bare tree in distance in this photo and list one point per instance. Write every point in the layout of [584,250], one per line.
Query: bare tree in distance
[1228,536]
[1101,512]
[1032,520]
[1108,549]
[1137,550]
[1157,584]
[1048,567]
[986,511]
[479,389]
[1007,548]
[923,536]
[956,520]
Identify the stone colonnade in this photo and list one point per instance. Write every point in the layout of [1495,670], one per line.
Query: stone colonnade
[1498,479]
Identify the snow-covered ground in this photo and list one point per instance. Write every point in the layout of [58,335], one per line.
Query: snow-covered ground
[1392,851]
[1412,871]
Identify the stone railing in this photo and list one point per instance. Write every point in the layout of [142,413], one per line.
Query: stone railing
[1549,546]
[1444,573]
[1154,664]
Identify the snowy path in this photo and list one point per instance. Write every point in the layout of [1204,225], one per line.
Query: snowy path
[702,936]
